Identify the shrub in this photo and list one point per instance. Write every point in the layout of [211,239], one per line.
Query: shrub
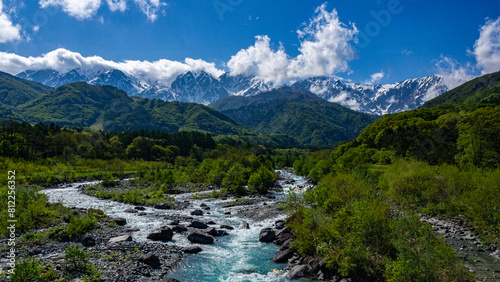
[27,270]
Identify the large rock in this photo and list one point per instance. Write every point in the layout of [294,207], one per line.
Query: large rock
[164,206]
[286,245]
[200,238]
[280,224]
[179,228]
[88,241]
[283,256]
[214,232]
[119,239]
[131,211]
[150,259]
[120,221]
[197,212]
[282,238]
[198,225]
[246,226]
[192,250]
[228,227]
[140,208]
[267,235]
[297,272]
[161,234]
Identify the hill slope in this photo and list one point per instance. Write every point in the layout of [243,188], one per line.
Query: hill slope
[471,92]
[295,112]
[15,91]
[105,107]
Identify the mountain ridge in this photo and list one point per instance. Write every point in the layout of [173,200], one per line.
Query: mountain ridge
[203,88]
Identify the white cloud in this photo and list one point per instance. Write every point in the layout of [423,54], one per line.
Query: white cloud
[80,9]
[62,60]
[487,47]
[86,9]
[8,31]
[324,50]
[453,73]
[117,5]
[374,78]
[150,8]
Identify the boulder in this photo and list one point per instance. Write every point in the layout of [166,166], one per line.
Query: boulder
[123,238]
[88,241]
[173,222]
[286,245]
[211,223]
[192,250]
[163,206]
[197,212]
[200,238]
[161,234]
[198,225]
[226,227]
[140,208]
[120,221]
[246,226]
[297,272]
[282,238]
[214,232]
[179,228]
[267,235]
[150,259]
[131,211]
[204,207]
[141,214]
[283,256]
[280,224]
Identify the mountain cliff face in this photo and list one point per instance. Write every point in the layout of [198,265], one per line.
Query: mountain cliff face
[203,88]
[379,99]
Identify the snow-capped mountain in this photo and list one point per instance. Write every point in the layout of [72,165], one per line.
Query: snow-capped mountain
[198,87]
[377,99]
[241,85]
[203,88]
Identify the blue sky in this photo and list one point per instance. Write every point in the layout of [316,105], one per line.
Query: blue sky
[418,35]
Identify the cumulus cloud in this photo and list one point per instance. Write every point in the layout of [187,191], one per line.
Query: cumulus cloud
[324,50]
[62,60]
[454,73]
[375,78]
[86,9]
[8,31]
[80,9]
[487,47]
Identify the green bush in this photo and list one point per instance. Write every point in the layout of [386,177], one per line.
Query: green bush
[27,270]
[76,258]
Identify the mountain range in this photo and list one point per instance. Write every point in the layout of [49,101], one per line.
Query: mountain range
[203,88]
[270,117]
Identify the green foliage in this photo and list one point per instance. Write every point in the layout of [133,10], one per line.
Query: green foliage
[349,220]
[235,178]
[34,211]
[80,225]
[473,91]
[28,270]
[76,258]
[262,180]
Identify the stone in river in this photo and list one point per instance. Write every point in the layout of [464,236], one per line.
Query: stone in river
[192,250]
[267,235]
[120,221]
[150,259]
[198,225]
[197,212]
[200,238]
[161,234]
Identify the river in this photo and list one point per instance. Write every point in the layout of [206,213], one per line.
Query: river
[237,257]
